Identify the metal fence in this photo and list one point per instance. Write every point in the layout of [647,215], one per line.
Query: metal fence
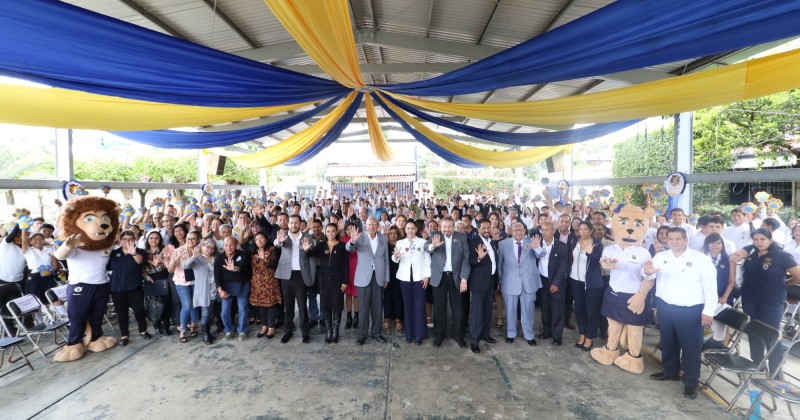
[347,189]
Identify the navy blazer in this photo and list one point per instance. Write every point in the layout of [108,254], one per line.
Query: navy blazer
[594,275]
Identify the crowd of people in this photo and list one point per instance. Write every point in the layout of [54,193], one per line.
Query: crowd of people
[385,261]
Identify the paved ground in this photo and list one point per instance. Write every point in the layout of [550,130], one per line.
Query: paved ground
[260,378]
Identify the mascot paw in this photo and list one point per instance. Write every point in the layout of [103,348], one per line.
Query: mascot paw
[101,344]
[630,363]
[604,356]
[70,353]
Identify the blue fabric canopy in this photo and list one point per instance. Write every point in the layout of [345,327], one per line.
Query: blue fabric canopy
[625,35]
[61,45]
[330,136]
[554,138]
[169,139]
[432,146]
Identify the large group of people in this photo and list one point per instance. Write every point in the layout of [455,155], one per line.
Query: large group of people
[386,261]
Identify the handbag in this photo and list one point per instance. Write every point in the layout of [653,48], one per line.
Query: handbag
[153,308]
[156,288]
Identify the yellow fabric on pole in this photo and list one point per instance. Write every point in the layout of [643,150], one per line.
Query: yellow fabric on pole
[323,30]
[294,145]
[380,147]
[511,159]
[746,80]
[64,108]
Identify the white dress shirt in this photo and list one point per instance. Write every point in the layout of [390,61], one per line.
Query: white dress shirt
[12,262]
[739,235]
[448,251]
[544,262]
[487,243]
[413,260]
[296,245]
[687,280]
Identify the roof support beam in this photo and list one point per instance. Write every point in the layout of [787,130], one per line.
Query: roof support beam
[558,15]
[215,9]
[152,18]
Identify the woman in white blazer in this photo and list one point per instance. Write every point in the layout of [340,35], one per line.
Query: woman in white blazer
[414,272]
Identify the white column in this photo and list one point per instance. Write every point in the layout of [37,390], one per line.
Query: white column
[262,177]
[684,155]
[64,168]
[202,172]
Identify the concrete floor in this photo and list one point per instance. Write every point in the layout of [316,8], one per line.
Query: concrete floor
[260,378]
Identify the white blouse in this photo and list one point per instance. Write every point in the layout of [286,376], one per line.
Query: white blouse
[413,259]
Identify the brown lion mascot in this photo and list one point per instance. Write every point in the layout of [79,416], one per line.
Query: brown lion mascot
[624,303]
[90,225]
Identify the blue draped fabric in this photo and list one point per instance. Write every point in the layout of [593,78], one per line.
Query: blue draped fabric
[61,45]
[169,139]
[433,147]
[554,138]
[330,136]
[625,35]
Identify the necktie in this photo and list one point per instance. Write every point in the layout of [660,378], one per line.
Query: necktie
[519,252]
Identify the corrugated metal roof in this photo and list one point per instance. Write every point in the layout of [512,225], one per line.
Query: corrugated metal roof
[490,23]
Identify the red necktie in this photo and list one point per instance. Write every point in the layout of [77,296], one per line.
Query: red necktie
[519,252]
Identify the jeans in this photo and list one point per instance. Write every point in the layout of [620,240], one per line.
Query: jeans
[313,308]
[187,309]
[205,313]
[770,314]
[242,300]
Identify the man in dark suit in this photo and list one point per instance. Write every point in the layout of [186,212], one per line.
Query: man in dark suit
[297,272]
[553,269]
[564,236]
[371,277]
[449,273]
[482,284]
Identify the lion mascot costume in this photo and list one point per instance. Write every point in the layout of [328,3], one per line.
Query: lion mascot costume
[90,225]
[625,300]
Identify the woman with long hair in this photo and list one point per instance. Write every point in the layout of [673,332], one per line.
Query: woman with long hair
[184,284]
[350,292]
[586,282]
[265,289]
[392,296]
[155,269]
[413,272]
[764,269]
[334,274]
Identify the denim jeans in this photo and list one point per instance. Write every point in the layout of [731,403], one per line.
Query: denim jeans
[242,300]
[205,313]
[313,308]
[187,308]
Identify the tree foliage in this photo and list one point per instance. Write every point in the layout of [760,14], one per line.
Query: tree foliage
[458,185]
[647,154]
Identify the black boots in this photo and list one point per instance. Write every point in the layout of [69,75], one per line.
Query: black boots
[207,337]
[349,323]
[328,328]
[335,327]
[355,320]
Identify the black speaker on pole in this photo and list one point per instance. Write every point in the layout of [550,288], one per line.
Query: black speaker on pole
[215,164]
[550,165]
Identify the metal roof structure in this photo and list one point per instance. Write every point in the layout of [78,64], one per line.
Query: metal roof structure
[397,41]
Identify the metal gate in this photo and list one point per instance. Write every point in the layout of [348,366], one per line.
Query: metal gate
[347,189]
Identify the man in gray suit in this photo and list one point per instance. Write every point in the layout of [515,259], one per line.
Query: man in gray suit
[449,273]
[372,276]
[519,280]
[297,272]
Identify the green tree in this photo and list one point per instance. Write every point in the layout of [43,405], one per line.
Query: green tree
[643,155]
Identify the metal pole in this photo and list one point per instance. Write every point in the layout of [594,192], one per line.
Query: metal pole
[683,155]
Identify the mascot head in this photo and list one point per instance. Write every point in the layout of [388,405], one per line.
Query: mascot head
[630,223]
[95,218]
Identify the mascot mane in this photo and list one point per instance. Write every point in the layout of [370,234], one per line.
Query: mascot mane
[76,206]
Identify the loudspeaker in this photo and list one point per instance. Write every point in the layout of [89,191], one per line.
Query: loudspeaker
[215,164]
[550,166]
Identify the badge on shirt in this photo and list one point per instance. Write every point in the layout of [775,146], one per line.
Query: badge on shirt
[688,263]
[767,263]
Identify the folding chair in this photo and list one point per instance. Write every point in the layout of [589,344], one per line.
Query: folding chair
[29,305]
[54,294]
[8,292]
[742,366]
[6,341]
[736,321]
[778,388]
[60,293]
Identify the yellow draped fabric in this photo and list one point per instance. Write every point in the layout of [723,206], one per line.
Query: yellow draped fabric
[294,145]
[747,80]
[512,159]
[380,147]
[322,28]
[64,108]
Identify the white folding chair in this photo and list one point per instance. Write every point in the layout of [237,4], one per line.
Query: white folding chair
[30,305]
